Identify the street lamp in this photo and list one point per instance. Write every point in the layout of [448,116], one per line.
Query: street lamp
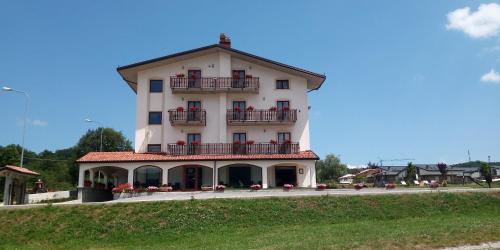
[102,129]
[7,89]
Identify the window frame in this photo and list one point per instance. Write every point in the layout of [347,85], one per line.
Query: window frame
[281,81]
[156,80]
[154,145]
[155,112]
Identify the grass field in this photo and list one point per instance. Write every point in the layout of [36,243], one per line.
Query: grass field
[368,222]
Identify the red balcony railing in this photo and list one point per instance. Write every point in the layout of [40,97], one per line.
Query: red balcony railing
[185,84]
[262,116]
[178,117]
[233,149]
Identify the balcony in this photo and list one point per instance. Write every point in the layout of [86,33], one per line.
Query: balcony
[261,117]
[233,149]
[214,84]
[182,117]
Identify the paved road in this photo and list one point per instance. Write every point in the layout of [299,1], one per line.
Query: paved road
[246,194]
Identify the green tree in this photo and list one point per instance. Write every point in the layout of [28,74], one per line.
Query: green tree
[330,169]
[112,141]
[485,170]
[411,172]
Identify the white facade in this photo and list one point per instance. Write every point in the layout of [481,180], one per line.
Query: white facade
[216,62]
[219,64]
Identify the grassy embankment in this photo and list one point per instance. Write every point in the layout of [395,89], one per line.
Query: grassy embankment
[368,222]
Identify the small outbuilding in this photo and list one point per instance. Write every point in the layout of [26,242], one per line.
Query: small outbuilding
[15,184]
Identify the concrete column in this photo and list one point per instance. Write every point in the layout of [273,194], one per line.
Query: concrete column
[91,176]
[312,173]
[81,176]
[131,177]
[105,180]
[164,180]
[216,177]
[7,190]
[264,177]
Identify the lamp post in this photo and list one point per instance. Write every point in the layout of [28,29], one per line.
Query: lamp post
[8,89]
[102,129]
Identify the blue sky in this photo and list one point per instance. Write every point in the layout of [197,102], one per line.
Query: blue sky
[403,78]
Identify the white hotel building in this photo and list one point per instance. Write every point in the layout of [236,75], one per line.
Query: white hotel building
[213,115]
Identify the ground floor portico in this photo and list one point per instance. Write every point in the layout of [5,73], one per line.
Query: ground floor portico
[193,175]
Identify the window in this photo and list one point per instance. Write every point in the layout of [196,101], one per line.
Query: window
[194,111]
[282,84]
[239,140]
[154,148]
[193,138]
[154,118]
[239,110]
[283,137]
[156,86]
[194,78]
[147,176]
[283,110]
[240,137]
[238,79]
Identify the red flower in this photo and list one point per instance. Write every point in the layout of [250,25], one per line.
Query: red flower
[193,109]
[249,142]
[250,108]
[286,108]
[248,76]
[179,75]
[87,183]
[237,109]
[273,142]
[195,143]
[272,108]
[287,142]
[181,143]
[180,109]
[237,142]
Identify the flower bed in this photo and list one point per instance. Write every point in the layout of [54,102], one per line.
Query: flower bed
[255,187]
[152,189]
[180,109]
[165,189]
[122,188]
[87,183]
[287,187]
[321,186]
[181,143]
[220,188]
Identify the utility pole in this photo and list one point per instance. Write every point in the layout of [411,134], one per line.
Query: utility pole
[468,153]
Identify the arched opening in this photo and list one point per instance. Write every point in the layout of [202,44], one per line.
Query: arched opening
[240,175]
[190,177]
[147,176]
[282,174]
[105,177]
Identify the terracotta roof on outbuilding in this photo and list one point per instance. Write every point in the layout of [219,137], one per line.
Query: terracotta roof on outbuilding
[96,157]
[19,170]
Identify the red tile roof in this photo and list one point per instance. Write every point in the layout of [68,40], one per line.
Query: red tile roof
[18,170]
[94,157]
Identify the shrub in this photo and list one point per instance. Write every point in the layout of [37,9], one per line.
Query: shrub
[121,188]
[220,188]
[152,189]
[321,186]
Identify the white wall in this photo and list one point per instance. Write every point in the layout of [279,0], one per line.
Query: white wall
[216,104]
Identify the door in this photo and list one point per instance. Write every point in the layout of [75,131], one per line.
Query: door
[283,110]
[239,108]
[194,146]
[192,176]
[239,140]
[194,111]
[238,79]
[194,78]
[285,175]
[284,143]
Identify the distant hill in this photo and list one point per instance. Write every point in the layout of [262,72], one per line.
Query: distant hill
[474,164]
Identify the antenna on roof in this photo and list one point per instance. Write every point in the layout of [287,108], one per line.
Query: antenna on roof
[468,153]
